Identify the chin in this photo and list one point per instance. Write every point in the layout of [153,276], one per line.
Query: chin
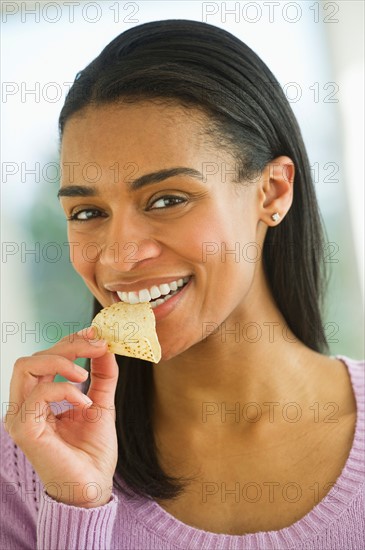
[170,349]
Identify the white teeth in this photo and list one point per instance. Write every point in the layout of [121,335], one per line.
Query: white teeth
[133,298]
[173,285]
[155,292]
[157,302]
[144,295]
[162,300]
[164,289]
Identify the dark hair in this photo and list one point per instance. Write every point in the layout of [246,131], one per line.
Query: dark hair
[199,65]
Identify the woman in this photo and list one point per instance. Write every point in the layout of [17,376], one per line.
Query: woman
[184,170]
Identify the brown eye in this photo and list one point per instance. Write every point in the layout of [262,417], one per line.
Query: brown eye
[166,202]
[86,214]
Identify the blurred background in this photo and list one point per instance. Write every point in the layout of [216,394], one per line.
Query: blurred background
[315,49]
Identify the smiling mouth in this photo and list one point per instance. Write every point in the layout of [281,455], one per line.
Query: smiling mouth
[155,295]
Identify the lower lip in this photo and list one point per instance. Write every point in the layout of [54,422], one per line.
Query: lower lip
[164,309]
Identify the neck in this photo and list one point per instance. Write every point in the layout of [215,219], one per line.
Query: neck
[242,362]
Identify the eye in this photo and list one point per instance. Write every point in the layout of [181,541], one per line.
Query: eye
[86,214]
[166,202]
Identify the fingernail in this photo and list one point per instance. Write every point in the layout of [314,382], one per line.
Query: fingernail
[84,332]
[81,370]
[87,399]
[98,343]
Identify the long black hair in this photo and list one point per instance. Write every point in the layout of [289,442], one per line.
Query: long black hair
[199,65]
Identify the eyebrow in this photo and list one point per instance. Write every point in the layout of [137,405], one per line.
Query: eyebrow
[146,179]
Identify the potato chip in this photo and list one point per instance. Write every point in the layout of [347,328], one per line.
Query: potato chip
[129,329]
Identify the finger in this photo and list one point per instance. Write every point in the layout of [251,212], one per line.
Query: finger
[30,371]
[104,374]
[73,346]
[35,411]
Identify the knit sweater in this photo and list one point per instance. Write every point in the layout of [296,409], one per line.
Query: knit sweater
[30,519]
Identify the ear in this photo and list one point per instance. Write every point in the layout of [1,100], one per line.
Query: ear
[276,189]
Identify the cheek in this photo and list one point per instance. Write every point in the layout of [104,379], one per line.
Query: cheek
[83,261]
[228,256]
[83,256]
[203,235]
[217,234]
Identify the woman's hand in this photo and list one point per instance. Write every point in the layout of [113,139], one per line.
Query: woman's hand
[74,452]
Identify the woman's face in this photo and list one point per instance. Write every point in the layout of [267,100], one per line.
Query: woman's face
[129,237]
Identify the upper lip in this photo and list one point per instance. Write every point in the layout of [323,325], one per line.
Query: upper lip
[135,286]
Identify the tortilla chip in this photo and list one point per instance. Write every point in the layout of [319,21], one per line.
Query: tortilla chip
[129,330]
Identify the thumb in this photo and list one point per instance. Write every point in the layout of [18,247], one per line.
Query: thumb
[104,374]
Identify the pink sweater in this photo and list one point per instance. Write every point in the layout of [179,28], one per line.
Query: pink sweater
[32,520]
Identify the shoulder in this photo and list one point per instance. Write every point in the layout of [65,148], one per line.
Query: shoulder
[356,372]
[352,363]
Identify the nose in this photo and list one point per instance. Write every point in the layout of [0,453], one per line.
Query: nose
[127,244]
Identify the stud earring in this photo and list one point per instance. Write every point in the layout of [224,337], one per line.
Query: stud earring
[275,217]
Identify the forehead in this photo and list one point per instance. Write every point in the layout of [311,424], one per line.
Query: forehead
[132,132]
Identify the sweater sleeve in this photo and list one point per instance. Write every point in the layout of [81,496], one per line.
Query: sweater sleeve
[62,526]
[32,520]
[19,497]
